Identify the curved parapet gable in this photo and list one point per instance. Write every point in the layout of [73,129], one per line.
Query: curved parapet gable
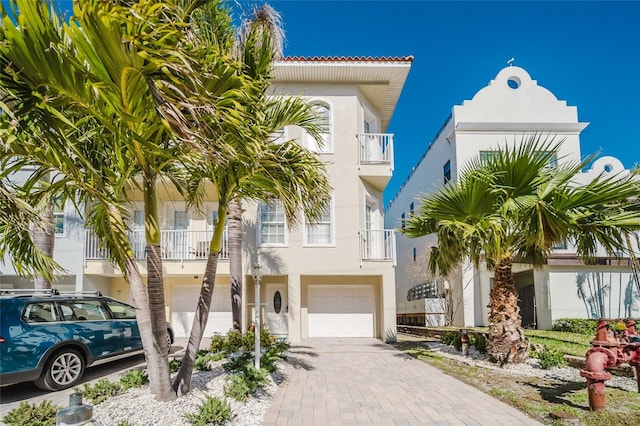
[606,166]
[513,97]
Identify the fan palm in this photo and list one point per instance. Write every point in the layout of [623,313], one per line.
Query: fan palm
[512,207]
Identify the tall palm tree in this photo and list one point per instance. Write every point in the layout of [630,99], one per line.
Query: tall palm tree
[511,207]
[260,170]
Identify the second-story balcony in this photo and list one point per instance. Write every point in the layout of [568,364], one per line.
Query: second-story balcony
[177,245]
[375,158]
[378,245]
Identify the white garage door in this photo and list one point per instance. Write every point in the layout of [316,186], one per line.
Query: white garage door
[185,299]
[341,311]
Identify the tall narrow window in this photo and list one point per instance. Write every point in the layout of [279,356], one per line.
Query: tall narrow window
[58,219]
[411,208]
[446,171]
[58,223]
[324,114]
[320,233]
[272,225]
[403,220]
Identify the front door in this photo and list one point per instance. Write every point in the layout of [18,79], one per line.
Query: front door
[277,302]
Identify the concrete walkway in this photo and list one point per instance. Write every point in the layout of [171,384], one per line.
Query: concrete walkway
[366,382]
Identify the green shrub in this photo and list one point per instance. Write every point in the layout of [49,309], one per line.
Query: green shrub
[212,411]
[134,379]
[218,343]
[238,362]
[550,358]
[125,424]
[576,325]
[452,338]
[174,365]
[479,341]
[255,378]
[237,387]
[102,390]
[26,414]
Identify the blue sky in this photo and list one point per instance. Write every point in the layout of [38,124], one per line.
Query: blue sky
[585,52]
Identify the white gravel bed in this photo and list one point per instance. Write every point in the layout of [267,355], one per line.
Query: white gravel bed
[138,407]
[529,368]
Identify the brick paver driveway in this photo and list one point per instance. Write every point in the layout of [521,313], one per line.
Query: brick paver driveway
[366,382]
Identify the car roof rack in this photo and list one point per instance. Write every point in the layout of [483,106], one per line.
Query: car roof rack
[88,292]
[48,291]
[51,291]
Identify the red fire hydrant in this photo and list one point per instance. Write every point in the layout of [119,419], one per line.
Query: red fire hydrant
[614,344]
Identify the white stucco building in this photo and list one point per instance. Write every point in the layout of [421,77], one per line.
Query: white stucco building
[510,108]
[335,278]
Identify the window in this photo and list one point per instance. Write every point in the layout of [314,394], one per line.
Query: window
[446,171]
[403,220]
[83,310]
[40,312]
[411,208]
[58,224]
[320,233]
[272,226]
[415,254]
[120,310]
[553,160]
[138,219]
[311,144]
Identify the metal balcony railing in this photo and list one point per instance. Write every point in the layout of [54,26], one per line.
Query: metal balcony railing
[175,245]
[375,148]
[379,244]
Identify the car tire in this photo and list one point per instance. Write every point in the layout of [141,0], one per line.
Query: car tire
[63,370]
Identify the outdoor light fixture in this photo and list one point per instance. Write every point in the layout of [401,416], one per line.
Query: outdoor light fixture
[256,271]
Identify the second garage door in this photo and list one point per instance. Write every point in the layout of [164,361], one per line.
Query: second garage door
[185,299]
[341,311]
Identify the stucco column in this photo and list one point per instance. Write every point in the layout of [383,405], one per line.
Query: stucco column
[294,316]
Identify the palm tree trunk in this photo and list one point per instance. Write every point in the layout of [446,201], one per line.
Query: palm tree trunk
[235,261]
[157,362]
[182,382]
[43,238]
[155,284]
[506,342]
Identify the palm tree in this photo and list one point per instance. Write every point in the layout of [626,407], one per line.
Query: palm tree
[260,170]
[135,76]
[512,207]
[17,219]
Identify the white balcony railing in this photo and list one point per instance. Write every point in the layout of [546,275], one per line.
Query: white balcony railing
[379,244]
[175,245]
[375,148]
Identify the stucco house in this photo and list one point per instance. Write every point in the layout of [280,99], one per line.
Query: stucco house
[335,278]
[510,108]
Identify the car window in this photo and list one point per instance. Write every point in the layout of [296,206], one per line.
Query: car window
[83,310]
[40,312]
[120,310]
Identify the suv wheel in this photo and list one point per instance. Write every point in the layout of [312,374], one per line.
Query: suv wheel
[63,370]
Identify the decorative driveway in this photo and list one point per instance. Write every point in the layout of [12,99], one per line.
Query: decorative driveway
[354,381]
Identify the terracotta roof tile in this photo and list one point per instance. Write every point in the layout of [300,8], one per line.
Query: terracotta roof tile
[347,59]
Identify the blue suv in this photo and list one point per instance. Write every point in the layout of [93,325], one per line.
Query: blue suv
[51,338]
